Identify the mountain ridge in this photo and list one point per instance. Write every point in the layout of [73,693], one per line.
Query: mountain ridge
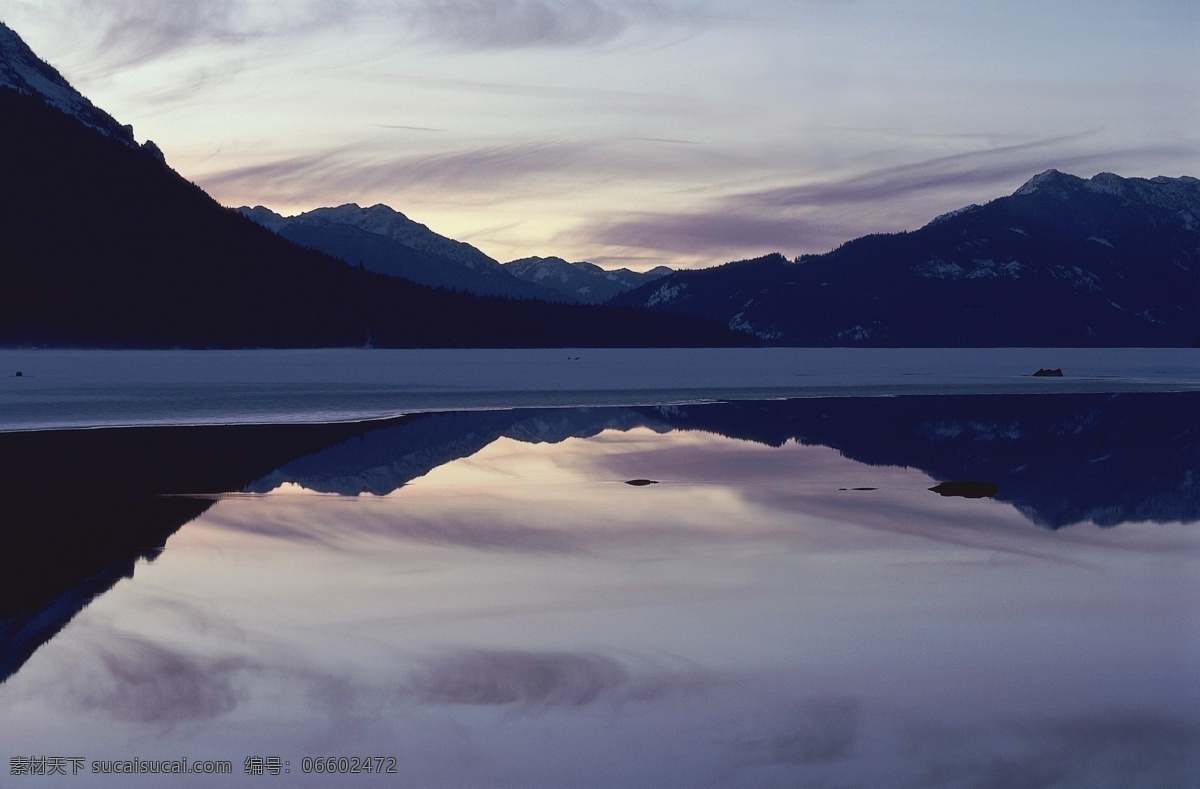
[581,281]
[383,240]
[106,247]
[1062,261]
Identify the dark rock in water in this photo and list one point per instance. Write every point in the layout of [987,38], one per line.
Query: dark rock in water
[18,374]
[640,482]
[1056,372]
[858,488]
[968,489]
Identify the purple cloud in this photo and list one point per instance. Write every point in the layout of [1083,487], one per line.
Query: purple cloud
[813,216]
[352,172]
[719,232]
[987,168]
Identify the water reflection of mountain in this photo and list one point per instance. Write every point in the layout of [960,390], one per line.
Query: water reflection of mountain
[389,457]
[1060,459]
[79,508]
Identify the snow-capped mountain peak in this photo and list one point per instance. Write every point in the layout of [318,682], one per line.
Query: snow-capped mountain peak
[383,220]
[23,71]
[264,216]
[1180,196]
[1050,179]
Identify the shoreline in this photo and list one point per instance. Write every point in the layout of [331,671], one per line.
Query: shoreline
[61,389]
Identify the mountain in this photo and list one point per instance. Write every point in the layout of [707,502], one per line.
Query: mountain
[383,240]
[585,283]
[22,71]
[1063,261]
[106,246]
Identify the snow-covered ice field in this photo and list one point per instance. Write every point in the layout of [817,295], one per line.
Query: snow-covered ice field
[79,388]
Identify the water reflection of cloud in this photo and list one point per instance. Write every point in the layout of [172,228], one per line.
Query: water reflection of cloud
[492,677]
[1111,747]
[566,498]
[820,731]
[761,727]
[353,525]
[531,681]
[137,680]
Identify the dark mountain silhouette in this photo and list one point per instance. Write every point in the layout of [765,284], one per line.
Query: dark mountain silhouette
[585,283]
[383,240]
[1063,261]
[106,246]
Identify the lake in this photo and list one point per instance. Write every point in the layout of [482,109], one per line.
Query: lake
[978,580]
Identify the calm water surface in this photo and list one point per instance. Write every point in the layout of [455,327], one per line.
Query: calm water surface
[483,597]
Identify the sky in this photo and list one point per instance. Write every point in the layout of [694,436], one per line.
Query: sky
[637,132]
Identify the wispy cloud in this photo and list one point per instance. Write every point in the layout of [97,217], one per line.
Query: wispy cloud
[133,32]
[137,31]
[718,232]
[353,171]
[820,214]
[983,168]
[482,25]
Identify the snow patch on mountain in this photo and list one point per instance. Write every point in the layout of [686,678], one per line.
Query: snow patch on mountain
[666,294]
[1046,181]
[979,268]
[936,268]
[937,220]
[739,323]
[989,269]
[859,333]
[1079,278]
